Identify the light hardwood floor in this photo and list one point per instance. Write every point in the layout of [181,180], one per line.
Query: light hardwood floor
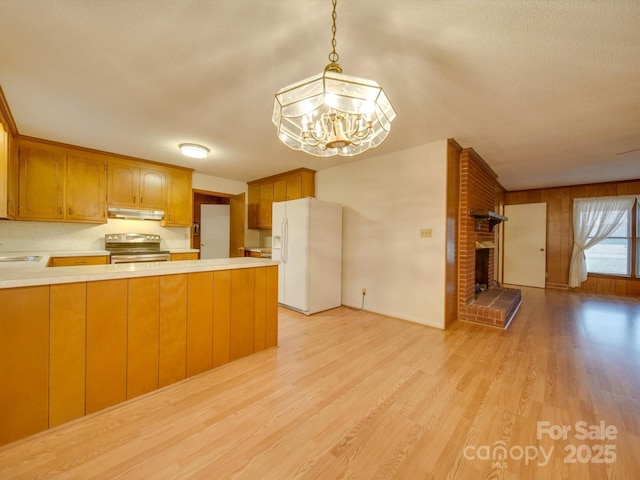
[351,394]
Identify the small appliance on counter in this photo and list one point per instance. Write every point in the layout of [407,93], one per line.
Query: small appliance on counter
[135,248]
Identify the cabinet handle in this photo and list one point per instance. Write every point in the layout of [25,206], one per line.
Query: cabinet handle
[69,210]
[59,210]
[134,199]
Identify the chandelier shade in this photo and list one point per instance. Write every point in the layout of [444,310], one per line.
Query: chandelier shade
[332,113]
[362,114]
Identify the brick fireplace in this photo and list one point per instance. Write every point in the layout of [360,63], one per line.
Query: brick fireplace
[490,304]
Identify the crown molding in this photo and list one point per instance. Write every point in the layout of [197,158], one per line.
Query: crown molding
[5,115]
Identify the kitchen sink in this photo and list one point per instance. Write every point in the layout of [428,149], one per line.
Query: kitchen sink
[21,258]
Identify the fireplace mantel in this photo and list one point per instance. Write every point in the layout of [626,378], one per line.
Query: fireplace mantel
[482,216]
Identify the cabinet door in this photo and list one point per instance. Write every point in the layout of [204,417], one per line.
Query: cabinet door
[76,261]
[308,184]
[253,208]
[221,316]
[106,344]
[242,330]
[122,185]
[271,320]
[67,352]
[184,256]
[41,184]
[266,201]
[85,188]
[199,322]
[260,312]
[294,186]
[179,200]
[24,351]
[172,354]
[152,183]
[266,308]
[142,335]
[280,190]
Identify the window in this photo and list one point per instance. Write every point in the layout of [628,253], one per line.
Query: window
[603,232]
[612,255]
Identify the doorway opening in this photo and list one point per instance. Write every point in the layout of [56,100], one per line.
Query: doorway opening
[237,218]
[199,199]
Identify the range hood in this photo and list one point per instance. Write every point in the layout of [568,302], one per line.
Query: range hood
[134,214]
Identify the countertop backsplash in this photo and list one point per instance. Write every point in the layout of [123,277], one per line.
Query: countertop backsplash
[16,236]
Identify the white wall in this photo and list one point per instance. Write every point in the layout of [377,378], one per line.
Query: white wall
[218,185]
[233,187]
[387,200]
[22,236]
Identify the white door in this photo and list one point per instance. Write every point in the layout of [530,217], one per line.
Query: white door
[525,244]
[214,231]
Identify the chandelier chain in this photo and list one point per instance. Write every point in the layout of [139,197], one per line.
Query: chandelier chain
[333,56]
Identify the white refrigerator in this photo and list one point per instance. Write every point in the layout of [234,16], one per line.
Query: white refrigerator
[307,240]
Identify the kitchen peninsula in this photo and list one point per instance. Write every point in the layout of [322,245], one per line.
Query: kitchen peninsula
[75,340]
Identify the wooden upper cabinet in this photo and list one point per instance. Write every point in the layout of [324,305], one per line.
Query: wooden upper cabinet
[60,185]
[130,185]
[152,188]
[12,179]
[122,184]
[179,212]
[54,182]
[86,184]
[41,184]
[266,200]
[278,188]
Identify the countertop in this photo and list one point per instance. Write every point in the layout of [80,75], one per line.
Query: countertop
[24,274]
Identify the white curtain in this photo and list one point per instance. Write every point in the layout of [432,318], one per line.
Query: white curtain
[593,220]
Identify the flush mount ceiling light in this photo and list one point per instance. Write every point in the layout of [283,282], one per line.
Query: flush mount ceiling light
[331,113]
[193,150]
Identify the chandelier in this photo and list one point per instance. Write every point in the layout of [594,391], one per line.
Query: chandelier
[331,113]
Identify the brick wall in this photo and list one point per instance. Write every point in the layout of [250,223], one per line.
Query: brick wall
[478,186]
[477,192]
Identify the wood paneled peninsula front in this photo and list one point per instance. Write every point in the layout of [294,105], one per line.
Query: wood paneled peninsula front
[75,340]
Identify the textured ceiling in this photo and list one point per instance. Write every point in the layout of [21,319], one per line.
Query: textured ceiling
[547,92]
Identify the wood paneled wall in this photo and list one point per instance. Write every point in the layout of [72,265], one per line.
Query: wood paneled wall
[453,200]
[560,232]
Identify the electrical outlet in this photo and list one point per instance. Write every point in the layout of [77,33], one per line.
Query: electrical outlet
[426,233]
[364,291]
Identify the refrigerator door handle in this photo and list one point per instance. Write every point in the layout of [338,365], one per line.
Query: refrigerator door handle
[285,239]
